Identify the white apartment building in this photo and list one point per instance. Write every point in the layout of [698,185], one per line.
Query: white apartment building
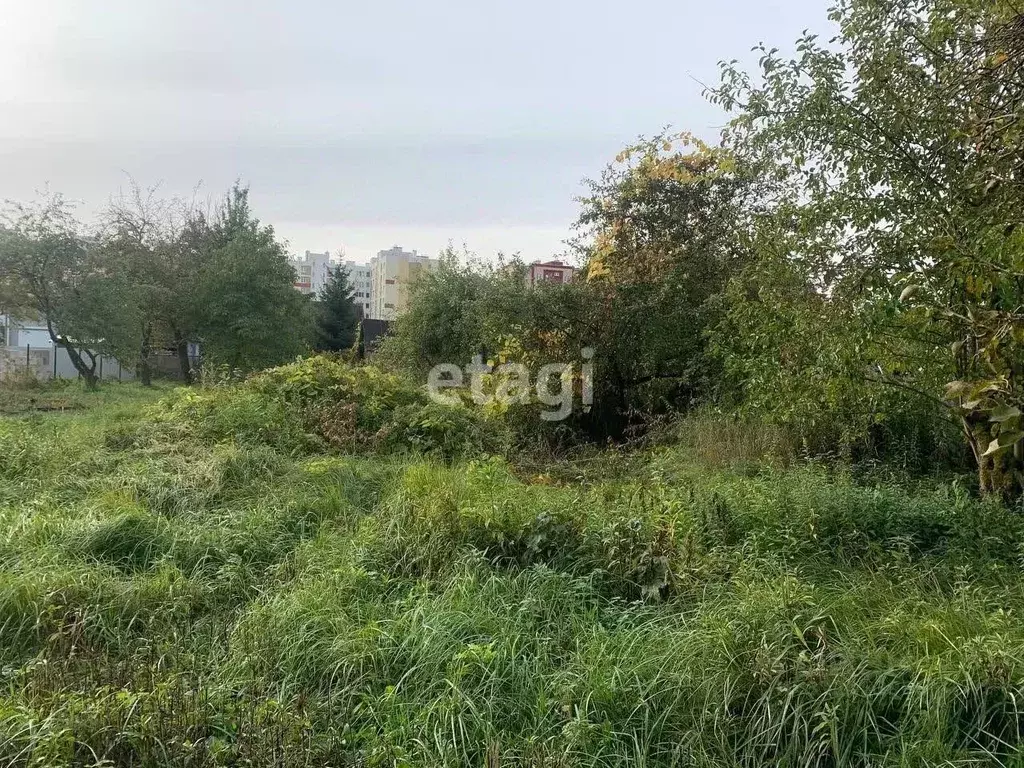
[391,272]
[312,271]
[360,278]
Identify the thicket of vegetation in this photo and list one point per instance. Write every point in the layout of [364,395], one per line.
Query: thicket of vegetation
[812,558]
[218,582]
[847,263]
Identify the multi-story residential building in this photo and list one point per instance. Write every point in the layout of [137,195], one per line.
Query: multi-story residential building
[549,272]
[312,271]
[391,273]
[360,278]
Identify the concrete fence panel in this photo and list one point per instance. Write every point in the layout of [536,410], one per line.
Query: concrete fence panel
[45,363]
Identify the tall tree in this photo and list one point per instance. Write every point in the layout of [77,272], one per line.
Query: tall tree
[248,314]
[139,246]
[337,314]
[901,201]
[660,239]
[183,267]
[54,273]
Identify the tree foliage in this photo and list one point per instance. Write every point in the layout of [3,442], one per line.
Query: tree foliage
[459,310]
[141,250]
[337,314]
[247,312]
[659,237]
[850,261]
[658,240]
[157,274]
[53,272]
[896,155]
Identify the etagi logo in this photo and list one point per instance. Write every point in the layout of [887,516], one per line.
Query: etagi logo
[513,384]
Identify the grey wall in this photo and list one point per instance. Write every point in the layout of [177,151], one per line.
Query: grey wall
[48,362]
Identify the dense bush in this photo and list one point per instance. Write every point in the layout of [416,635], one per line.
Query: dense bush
[657,243]
[325,402]
[845,262]
[883,280]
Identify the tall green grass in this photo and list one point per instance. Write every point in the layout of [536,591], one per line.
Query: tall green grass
[185,584]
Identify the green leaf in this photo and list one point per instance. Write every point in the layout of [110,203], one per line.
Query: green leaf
[1004,413]
[1004,441]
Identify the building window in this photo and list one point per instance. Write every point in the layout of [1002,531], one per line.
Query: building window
[389,282]
[552,275]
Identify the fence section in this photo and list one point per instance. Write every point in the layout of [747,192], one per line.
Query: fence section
[45,363]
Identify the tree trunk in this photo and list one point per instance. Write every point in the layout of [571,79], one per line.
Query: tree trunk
[1000,474]
[145,366]
[86,370]
[358,349]
[184,363]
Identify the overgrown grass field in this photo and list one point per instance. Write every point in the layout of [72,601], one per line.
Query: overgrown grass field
[317,567]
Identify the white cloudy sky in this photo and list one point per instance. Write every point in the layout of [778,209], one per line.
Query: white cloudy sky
[361,125]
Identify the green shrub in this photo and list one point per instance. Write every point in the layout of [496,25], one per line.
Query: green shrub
[327,379]
[323,401]
[234,413]
[447,431]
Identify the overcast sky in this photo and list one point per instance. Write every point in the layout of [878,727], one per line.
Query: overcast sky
[361,125]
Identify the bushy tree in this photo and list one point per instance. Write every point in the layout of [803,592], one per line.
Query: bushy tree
[457,311]
[246,311]
[219,279]
[53,272]
[141,250]
[660,236]
[157,274]
[898,158]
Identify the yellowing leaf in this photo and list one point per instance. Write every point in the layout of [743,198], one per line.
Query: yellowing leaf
[909,291]
[1004,441]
